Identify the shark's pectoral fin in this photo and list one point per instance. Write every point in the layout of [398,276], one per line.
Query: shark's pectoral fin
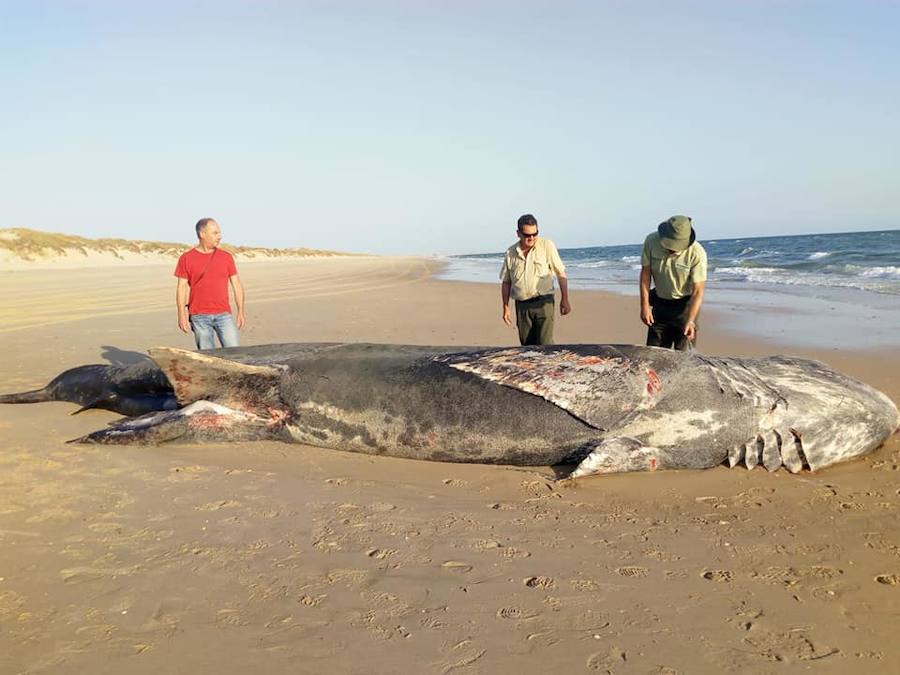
[195,376]
[618,455]
[197,422]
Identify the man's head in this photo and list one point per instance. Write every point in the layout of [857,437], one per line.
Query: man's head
[208,232]
[527,230]
[676,233]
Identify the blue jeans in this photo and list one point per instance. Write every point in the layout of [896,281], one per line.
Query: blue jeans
[206,326]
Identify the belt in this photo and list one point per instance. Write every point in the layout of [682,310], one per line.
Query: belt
[654,298]
[543,298]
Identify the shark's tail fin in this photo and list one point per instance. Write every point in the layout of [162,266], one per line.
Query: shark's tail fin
[37,396]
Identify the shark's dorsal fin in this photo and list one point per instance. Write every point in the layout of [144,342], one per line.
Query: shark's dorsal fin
[196,376]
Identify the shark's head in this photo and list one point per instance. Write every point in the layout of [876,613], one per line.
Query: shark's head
[821,415]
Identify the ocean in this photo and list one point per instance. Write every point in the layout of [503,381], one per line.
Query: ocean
[826,290]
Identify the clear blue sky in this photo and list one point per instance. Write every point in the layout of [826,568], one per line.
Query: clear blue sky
[429,127]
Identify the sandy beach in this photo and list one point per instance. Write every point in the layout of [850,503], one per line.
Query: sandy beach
[267,557]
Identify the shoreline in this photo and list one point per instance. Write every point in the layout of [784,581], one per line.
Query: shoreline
[798,317]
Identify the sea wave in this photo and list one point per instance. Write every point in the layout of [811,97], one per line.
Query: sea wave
[818,255]
[889,272]
[877,280]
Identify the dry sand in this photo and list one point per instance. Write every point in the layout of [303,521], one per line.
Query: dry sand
[266,557]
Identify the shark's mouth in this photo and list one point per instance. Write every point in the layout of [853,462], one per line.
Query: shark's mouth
[220,400]
[199,421]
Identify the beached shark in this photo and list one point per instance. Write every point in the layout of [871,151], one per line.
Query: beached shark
[606,408]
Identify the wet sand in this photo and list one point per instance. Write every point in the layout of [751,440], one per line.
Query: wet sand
[287,558]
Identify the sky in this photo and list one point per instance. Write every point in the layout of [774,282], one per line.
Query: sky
[429,127]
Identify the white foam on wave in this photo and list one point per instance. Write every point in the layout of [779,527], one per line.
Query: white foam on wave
[887,272]
[875,279]
[818,255]
[750,272]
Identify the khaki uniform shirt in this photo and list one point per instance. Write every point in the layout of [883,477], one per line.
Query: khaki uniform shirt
[674,275]
[532,275]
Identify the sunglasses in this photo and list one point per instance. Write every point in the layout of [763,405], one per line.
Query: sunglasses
[531,235]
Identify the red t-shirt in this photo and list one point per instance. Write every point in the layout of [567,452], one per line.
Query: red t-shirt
[209,289]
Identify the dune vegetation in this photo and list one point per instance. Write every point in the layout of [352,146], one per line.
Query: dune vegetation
[19,243]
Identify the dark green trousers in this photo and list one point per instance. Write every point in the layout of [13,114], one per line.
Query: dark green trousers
[669,319]
[534,319]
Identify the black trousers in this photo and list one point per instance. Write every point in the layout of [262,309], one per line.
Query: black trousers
[534,319]
[669,320]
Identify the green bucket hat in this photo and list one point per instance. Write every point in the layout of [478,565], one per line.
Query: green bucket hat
[676,233]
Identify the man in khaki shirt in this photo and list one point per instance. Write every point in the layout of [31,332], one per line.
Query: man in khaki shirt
[527,276]
[676,263]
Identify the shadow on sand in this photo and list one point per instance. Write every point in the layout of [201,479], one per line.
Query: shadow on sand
[120,357]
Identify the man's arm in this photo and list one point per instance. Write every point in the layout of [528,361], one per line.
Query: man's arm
[504,297]
[646,309]
[238,291]
[564,306]
[559,269]
[690,327]
[181,295]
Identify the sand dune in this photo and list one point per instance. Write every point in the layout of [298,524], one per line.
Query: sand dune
[22,248]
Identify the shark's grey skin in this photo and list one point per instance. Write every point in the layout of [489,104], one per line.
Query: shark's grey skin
[612,408]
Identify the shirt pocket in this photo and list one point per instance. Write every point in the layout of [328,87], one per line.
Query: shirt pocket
[517,272]
[541,268]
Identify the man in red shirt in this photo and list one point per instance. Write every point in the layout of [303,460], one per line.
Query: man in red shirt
[207,270]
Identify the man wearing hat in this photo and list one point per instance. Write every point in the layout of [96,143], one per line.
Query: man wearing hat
[677,264]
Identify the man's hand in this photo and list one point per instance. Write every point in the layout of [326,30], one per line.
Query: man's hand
[507,315]
[240,321]
[690,330]
[564,307]
[647,315]
[183,322]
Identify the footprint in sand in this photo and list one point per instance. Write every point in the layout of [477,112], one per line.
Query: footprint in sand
[515,613]
[827,593]
[786,646]
[217,505]
[632,571]
[456,566]
[73,575]
[311,600]
[381,553]
[349,577]
[485,544]
[718,575]
[584,585]
[538,488]
[540,582]
[455,482]
[888,579]
[606,661]
[230,617]
[513,552]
